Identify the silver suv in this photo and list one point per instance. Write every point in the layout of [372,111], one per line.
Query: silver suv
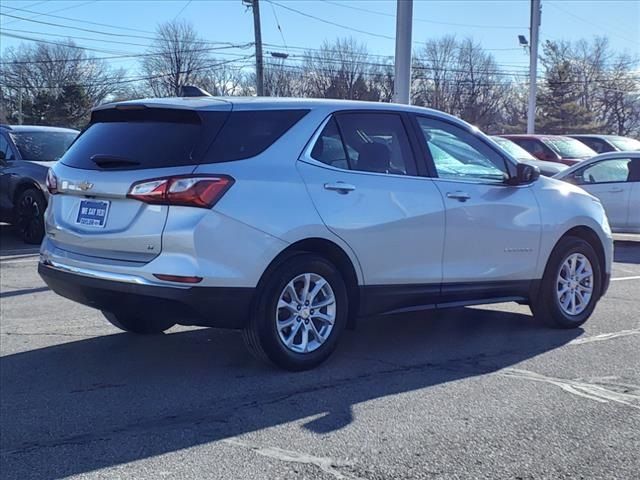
[289,218]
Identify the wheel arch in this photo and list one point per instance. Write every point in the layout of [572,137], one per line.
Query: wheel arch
[26,184]
[336,255]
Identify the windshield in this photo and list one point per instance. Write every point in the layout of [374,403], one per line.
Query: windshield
[625,144]
[515,150]
[43,146]
[569,147]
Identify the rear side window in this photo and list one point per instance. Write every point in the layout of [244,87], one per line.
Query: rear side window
[367,142]
[141,139]
[248,133]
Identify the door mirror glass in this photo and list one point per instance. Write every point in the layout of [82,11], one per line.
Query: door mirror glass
[526,173]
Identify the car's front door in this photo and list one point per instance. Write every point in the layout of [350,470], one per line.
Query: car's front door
[492,228]
[362,177]
[611,181]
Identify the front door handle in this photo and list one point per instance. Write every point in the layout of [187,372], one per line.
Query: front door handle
[460,196]
[340,187]
[616,190]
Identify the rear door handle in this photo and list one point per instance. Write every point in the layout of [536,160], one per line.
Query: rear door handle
[616,190]
[340,187]
[460,196]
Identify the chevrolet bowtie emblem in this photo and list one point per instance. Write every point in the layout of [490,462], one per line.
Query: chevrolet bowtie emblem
[84,186]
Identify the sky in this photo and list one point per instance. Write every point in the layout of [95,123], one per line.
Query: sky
[289,25]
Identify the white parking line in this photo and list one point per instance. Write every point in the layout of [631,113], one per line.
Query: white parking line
[636,277]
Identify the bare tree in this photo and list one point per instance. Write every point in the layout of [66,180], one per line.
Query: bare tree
[57,83]
[178,57]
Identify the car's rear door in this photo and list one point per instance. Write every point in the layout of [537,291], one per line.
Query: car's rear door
[492,228]
[361,174]
[92,215]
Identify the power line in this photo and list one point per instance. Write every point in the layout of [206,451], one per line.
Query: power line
[436,22]
[352,29]
[593,24]
[183,9]
[38,14]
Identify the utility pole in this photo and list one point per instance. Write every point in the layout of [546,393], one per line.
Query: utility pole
[255,6]
[402,82]
[534,28]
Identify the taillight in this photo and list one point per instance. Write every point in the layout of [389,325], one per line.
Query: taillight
[191,191]
[52,182]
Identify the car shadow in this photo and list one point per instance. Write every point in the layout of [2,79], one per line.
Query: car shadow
[626,252]
[84,405]
[12,244]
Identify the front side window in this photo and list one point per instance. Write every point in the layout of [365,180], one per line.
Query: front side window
[366,142]
[460,155]
[607,171]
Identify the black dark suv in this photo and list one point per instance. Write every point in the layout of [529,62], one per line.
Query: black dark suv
[26,153]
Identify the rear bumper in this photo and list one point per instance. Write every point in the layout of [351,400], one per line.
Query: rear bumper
[225,307]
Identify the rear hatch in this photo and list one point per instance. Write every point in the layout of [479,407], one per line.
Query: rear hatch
[126,144]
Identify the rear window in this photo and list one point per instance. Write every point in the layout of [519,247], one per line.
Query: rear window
[143,138]
[157,138]
[625,144]
[248,133]
[42,146]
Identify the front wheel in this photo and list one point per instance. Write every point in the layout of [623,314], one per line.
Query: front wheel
[300,312]
[135,324]
[571,285]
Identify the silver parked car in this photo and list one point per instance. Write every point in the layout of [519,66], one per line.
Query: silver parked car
[288,218]
[614,178]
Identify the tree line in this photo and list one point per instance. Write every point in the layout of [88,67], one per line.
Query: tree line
[584,86]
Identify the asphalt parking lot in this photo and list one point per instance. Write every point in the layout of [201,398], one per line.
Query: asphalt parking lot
[466,393]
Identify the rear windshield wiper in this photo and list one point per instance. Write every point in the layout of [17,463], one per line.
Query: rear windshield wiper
[112,161]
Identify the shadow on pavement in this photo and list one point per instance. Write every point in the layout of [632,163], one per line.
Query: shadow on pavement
[12,244]
[89,404]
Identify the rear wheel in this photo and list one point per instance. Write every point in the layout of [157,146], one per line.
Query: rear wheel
[571,285]
[300,312]
[136,324]
[29,215]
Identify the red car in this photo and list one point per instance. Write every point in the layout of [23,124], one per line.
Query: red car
[553,148]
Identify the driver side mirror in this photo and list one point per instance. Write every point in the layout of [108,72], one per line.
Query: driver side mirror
[526,174]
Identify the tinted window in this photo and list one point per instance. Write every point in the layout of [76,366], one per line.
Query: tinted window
[607,171]
[460,155]
[376,142]
[42,146]
[247,134]
[4,148]
[597,145]
[329,148]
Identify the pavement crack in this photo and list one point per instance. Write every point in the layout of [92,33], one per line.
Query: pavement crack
[326,464]
[592,391]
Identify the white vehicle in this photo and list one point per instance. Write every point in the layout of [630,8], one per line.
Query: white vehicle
[289,218]
[615,179]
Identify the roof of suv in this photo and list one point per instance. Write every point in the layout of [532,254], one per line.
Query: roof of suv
[265,103]
[36,128]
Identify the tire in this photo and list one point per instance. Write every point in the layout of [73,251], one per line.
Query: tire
[548,307]
[29,215]
[139,325]
[271,325]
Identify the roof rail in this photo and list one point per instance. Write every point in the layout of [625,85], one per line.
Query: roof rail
[4,125]
[193,91]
